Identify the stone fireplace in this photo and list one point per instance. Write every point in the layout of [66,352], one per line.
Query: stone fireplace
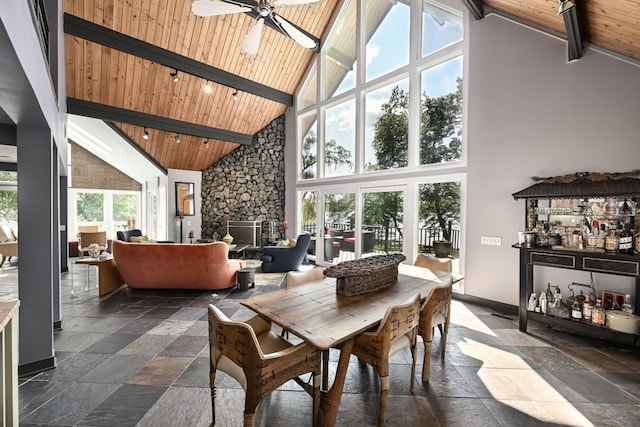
[247,185]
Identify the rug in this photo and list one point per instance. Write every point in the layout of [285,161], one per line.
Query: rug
[269,279]
[265,279]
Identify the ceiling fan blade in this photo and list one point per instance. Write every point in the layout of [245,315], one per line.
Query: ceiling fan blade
[218,7]
[293,32]
[280,3]
[251,43]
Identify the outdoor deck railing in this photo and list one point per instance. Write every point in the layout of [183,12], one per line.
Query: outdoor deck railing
[389,239]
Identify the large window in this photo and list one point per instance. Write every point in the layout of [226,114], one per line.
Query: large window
[109,210]
[382,147]
[385,53]
[340,139]
[387,127]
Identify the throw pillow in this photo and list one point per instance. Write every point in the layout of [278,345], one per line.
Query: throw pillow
[283,243]
[292,243]
[138,239]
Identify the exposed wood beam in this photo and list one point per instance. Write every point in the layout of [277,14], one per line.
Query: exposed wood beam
[476,8]
[136,118]
[136,147]
[106,37]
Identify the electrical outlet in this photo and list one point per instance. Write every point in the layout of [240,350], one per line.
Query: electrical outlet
[489,240]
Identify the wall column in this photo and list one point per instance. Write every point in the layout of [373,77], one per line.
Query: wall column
[38,263]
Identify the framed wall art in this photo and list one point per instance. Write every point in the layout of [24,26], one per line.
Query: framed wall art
[185,199]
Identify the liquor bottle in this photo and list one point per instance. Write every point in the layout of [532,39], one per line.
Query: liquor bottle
[576,311]
[598,315]
[626,240]
[612,242]
[587,308]
[627,304]
[532,302]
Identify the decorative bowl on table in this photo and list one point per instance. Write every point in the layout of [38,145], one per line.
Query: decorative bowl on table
[366,274]
[93,250]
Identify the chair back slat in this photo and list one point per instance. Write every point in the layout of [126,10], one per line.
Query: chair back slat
[235,340]
[399,320]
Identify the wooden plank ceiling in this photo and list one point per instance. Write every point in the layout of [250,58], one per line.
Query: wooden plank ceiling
[111,77]
[107,76]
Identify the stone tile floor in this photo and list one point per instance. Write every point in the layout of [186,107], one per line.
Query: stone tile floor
[140,358]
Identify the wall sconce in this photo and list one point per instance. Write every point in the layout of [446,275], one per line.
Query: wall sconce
[235,94]
[177,138]
[574,42]
[146,134]
[174,76]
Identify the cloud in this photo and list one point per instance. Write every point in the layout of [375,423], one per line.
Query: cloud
[373,51]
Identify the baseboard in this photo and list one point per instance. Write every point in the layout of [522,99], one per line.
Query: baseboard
[500,307]
[36,367]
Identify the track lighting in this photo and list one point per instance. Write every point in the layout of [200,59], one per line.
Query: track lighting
[177,138]
[146,134]
[235,94]
[174,76]
[208,88]
[206,143]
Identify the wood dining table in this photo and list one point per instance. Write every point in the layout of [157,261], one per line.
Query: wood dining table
[324,319]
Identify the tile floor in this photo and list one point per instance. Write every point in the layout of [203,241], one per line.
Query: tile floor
[140,358]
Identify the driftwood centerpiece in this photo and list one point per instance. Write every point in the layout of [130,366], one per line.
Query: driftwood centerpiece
[365,275]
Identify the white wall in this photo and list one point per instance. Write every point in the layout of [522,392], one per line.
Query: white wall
[533,114]
[189,223]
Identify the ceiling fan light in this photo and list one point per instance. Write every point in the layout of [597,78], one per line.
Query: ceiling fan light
[146,134]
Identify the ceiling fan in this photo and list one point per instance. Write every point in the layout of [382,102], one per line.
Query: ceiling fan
[263,12]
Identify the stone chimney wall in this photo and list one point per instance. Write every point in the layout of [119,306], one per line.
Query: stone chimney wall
[247,185]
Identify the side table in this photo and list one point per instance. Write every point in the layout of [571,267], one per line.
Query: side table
[246,276]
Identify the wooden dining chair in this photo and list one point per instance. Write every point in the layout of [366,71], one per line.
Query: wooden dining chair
[295,278]
[436,311]
[259,360]
[396,332]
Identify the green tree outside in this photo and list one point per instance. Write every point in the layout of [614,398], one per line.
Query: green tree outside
[440,141]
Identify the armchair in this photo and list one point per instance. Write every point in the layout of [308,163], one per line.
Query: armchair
[436,311]
[259,360]
[396,332]
[282,258]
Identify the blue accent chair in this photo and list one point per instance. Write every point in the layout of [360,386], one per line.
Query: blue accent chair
[280,259]
[127,234]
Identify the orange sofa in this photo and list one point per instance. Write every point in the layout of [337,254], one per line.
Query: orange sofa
[176,266]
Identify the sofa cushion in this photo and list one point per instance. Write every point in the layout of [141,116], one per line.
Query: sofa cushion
[141,239]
